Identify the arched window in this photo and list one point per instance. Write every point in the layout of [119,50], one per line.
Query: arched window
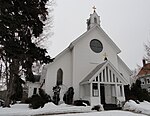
[88,23]
[59,77]
[95,20]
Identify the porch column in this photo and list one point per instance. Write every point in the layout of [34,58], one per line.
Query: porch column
[80,92]
[99,92]
[123,95]
[90,90]
[108,75]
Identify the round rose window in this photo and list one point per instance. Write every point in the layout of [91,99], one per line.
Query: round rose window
[96,46]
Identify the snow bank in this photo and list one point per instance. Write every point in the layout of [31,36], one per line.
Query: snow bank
[142,107]
[49,105]
[49,108]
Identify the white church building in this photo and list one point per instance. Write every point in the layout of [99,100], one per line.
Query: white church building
[91,65]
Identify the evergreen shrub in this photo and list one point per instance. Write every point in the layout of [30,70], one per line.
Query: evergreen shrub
[68,96]
[98,108]
[81,103]
[136,92]
[56,91]
[38,100]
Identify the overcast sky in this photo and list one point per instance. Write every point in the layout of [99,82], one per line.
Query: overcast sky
[127,22]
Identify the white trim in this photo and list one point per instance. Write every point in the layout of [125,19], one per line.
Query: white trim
[72,44]
[109,40]
[116,71]
[126,67]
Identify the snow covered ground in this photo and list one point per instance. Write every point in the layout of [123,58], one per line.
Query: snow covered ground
[104,113]
[142,107]
[67,110]
[49,108]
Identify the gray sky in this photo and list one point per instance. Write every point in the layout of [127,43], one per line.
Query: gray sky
[127,22]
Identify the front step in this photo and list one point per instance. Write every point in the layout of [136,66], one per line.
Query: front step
[111,107]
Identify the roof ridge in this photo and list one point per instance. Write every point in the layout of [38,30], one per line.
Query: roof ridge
[87,78]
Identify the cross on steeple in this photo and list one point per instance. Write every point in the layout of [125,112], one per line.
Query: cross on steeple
[93,20]
[94,8]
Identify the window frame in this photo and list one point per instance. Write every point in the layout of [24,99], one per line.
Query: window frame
[59,80]
[95,91]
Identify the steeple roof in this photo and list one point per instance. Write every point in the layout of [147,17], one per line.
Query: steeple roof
[93,20]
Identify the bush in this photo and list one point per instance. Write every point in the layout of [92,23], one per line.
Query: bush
[28,100]
[1,102]
[68,96]
[37,101]
[98,108]
[81,103]
[127,92]
[56,97]
[44,96]
[136,92]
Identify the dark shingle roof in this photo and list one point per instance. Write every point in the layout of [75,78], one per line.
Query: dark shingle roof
[144,71]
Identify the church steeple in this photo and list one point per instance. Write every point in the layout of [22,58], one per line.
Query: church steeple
[93,20]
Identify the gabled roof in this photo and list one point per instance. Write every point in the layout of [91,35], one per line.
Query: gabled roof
[72,44]
[125,66]
[144,71]
[92,73]
[99,68]
[102,32]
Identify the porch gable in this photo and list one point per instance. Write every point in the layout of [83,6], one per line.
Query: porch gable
[104,73]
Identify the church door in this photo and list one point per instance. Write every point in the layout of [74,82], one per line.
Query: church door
[102,91]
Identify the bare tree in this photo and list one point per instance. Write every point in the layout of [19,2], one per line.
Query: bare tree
[21,24]
[147,49]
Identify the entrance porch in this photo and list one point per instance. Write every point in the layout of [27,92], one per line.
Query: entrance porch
[103,93]
[105,85]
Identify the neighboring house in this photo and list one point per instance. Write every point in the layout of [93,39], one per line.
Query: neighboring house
[144,76]
[33,87]
[91,65]
[39,81]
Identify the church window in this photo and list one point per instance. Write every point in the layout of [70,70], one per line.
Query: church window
[96,46]
[88,23]
[107,73]
[97,78]
[110,75]
[121,93]
[104,75]
[59,77]
[113,77]
[95,89]
[34,91]
[100,77]
[117,79]
[95,20]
